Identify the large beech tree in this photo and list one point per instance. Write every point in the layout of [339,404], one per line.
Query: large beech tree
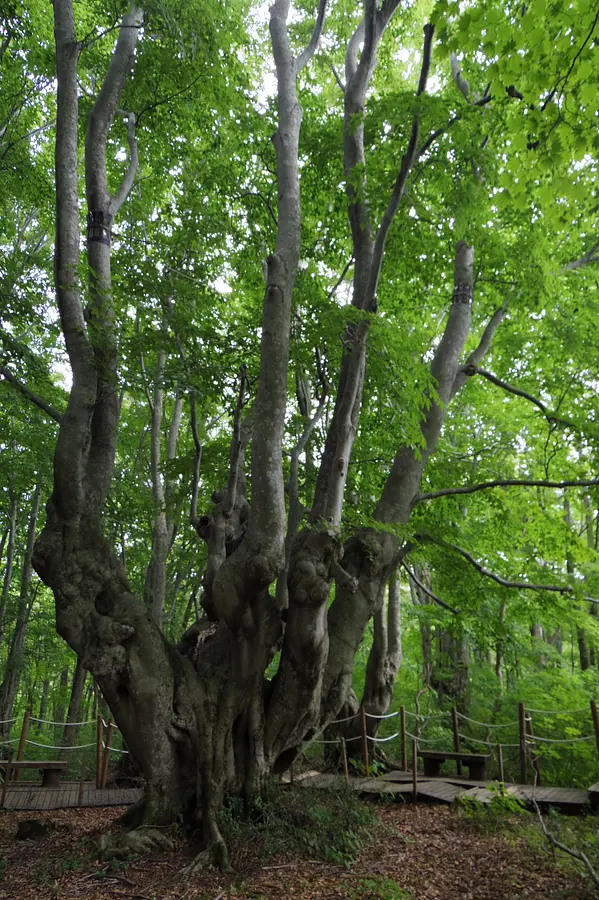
[199,715]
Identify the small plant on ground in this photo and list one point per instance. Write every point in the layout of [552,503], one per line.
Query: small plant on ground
[378,889]
[501,813]
[333,824]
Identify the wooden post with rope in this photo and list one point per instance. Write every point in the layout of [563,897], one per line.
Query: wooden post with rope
[404,746]
[344,755]
[522,729]
[99,753]
[106,754]
[534,756]
[456,736]
[595,716]
[6,778]
[414,771]
[81,780]
[365,744]
[22,740]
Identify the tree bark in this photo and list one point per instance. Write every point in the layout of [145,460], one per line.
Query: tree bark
[60,700]
[15,659]
[74,711]
[10,558]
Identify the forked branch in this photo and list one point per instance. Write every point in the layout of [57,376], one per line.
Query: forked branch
[306,55]
[31,395]
[504,582]
[419,584]
[507,482]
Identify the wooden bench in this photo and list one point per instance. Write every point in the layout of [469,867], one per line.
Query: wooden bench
[476,762]
[50,769]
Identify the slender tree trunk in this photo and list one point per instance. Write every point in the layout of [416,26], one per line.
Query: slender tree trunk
[60,699]
[74,711]
[15,660]
[10,557]
[500,647]
[43,708]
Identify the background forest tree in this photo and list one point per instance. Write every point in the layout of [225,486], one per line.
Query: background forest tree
[411,400]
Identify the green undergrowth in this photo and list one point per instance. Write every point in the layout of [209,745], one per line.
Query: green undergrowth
[505,815]
[333,824]
[378,889]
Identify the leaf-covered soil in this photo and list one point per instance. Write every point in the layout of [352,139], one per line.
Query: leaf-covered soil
[419,852]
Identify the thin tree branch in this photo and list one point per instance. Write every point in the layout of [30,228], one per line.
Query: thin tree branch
[504,582]
[585,260]
[469,369]
[27,392]
[264,199]
[407,162]
[195,484]
[428,592]
[508,482]
[341,278]
[127,183]
[338,78]
[482,349]
[553,841]
[306,55]
[564,80]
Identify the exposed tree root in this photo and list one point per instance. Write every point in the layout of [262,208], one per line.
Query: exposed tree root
[142,840]
[215,856]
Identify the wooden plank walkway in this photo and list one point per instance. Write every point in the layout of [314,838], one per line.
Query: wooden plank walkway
[445,789]
[33,796]
[393,784]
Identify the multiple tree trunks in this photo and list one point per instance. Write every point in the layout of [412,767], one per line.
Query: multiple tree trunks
[199,718]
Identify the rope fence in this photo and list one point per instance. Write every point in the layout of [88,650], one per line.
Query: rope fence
[526,746]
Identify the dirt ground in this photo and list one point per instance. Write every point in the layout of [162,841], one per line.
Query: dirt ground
[420,853]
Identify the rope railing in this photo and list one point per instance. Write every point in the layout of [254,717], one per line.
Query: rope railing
[387,716]
[110,749]
[557,712]
[487,724]
[466,737]
[61,724]
[427,716]
[421,740]
[7,721]
[383,740]
[55,747]
[115,727]
[530,739]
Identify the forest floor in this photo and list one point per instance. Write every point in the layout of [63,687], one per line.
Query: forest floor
[413,853]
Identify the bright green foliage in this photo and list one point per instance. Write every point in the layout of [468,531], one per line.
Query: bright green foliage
[516,177]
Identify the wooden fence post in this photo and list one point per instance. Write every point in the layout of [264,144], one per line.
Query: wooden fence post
[22,739]
[522,727]
[365,744]
[414,771]
[6,778]
[534,757]
[500,761]
[456,736]
[99,753]
[106,754]
[81,780]
[404,746]
[344,754]
[595,721]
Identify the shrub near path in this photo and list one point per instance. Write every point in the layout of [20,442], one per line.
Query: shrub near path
[409,853]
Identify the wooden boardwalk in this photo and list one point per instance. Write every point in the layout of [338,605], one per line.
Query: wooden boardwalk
[446,788]
[442,789]
[33,796]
